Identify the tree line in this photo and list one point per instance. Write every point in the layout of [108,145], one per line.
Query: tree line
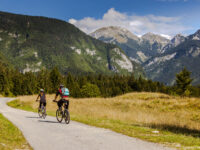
[13,82]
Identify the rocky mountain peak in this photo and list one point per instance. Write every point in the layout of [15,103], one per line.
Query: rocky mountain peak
[152,38]
[179,38]
[196,35]
[198,32]
[114,33]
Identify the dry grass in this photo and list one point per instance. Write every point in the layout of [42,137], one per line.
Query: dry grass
[143,108]
[137,114]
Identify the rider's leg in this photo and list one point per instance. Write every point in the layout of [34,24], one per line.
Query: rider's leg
[67,104]
[60,103]
[44,104]
[40,105]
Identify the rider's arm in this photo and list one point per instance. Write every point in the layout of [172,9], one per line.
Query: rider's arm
[38,97]
[58,93]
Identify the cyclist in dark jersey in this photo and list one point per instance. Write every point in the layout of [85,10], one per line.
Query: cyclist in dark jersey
[42,97]
[63,98]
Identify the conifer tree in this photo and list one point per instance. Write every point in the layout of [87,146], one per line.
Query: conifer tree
[183,82]
[55,78]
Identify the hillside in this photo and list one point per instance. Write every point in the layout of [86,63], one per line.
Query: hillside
[31,43]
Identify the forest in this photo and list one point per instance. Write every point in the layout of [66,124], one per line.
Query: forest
[13,83]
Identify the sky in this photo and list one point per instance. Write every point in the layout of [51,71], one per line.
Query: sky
[165,17]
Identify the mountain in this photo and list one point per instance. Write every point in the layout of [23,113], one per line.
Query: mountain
[160,57]
[156,42]
[182,52]
[31,43]
[138,49]
[114,34]
[178,39]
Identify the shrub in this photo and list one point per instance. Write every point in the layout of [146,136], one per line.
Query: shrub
[90,90]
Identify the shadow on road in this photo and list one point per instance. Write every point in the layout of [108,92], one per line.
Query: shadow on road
[32,117]
[46,121]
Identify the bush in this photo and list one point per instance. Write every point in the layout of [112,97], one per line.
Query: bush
[90,90]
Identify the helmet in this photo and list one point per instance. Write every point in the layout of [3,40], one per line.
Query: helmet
[61,85]
[41,90]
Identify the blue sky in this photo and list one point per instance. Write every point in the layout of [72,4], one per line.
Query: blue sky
[139,16]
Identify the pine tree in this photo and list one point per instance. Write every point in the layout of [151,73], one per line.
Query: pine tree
[55,78]
[183,82]
[4,81]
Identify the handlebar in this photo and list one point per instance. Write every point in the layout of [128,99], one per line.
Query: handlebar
[55,101]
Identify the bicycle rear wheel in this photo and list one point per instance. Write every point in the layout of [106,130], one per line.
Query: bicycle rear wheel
[59,115]
[67,117]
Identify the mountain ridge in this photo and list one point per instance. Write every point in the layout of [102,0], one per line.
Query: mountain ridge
[163,58]
[139,49]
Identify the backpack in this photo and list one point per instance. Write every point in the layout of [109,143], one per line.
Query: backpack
[65,92]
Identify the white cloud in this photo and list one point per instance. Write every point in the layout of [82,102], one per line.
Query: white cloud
[136,24]
[72,21]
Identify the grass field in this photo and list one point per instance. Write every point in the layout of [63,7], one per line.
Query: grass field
[10,137]
[160,118]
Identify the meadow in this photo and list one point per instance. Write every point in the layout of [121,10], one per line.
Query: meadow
[11,137]
[173,121]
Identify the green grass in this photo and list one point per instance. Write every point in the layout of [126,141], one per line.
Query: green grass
[184,139]
[10,136]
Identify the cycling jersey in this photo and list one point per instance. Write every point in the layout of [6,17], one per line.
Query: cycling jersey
[42,97]
[59,92]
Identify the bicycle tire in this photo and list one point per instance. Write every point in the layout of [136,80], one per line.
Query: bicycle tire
[43,113]
[39,112]
[59,114]
[67,116]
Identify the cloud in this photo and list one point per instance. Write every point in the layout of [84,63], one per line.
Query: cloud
[138,25]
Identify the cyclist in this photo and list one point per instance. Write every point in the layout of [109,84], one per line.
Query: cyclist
[42,97]
[64,94]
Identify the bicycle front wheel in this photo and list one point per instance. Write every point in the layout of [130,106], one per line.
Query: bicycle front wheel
[43,113]
[59,115]
[67,116]
[39,112]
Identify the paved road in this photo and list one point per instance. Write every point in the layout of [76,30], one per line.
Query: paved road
[48,134]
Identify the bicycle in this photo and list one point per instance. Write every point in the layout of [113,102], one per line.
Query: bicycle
[42,111]
[62,114]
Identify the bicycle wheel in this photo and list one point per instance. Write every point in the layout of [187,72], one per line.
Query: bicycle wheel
[43,113]
[59,115]
[67,116]
[39,112]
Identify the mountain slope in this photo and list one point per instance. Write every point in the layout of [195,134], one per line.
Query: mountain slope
[186,54]
[178,39]
[31,43]
[138,49]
